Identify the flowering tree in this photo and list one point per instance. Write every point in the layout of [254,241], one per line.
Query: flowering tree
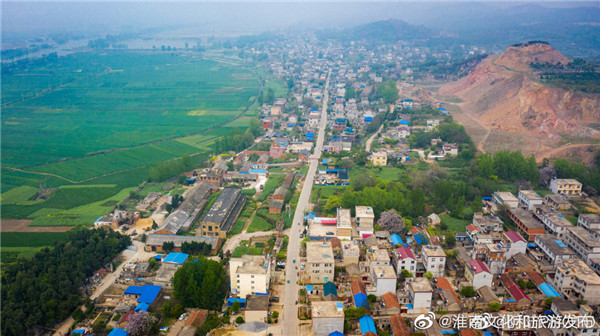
[140,323]
[391,221]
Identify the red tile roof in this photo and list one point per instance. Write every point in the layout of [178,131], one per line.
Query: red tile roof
[444,284]
[467,332]
[126,317]
[390,300]
[357,287]
[399,327]
[536,278]
[471,228]
[404,252]
[478,266]
[369,333]
[197,318]
[335,242]
[513,288]
[513,236]
[414,230]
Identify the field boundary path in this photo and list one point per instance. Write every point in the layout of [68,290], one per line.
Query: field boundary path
[371,138]
[290,312]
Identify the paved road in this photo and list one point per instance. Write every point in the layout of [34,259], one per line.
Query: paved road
[290,312]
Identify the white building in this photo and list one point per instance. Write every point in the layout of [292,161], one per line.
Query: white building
[530,199]
[344,224]
[327,317]
[505,197]
[577,281]
[404,259]
[378,257]
[555,251]
[420,294]
[249,275]
[584,244]
[590,222]
[434,260]
[384,279]
[365,218]
[478,274]
[319,262]
[513,243]
[556,224]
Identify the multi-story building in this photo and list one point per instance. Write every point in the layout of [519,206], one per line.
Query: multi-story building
[379,158]
[569,187]
[526,224]
[558,202]
[327,317]
[249,274]
[365,218]
[555,251]
[584,244]
[488,223]
[478,274]
[434,260]
[529,199]
[319,262]
[590,222]
[556,224]
[505,197]
[344,224]
[377,257]
[513,243]
[350,253]
[384,279]
[577,281]
[404,259]
[561,307]
[420,294]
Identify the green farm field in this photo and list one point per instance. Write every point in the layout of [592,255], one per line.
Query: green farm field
[116,100]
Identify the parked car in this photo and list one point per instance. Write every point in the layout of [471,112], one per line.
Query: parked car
[181,317]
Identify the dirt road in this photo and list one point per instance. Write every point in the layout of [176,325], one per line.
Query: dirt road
[21,225]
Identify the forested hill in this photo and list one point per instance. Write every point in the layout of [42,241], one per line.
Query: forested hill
[43,290]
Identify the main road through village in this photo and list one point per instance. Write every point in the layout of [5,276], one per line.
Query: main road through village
[290,311]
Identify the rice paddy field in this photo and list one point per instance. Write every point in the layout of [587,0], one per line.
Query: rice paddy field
[86,127]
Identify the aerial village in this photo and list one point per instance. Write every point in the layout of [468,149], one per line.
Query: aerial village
[355,273]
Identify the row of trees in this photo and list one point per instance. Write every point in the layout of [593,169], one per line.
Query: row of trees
[509,166]
[238,140]
[168,169]
[43,290]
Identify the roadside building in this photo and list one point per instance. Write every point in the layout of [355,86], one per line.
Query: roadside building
[319,262]
[257,308]
[568,187]
[223,213]
[193,203]
[155,242]
[327,317]
[379,158]
[249,274]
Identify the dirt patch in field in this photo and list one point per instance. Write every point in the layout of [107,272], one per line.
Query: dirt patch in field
[21,225]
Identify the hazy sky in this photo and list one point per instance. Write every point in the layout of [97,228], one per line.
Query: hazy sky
[231,17]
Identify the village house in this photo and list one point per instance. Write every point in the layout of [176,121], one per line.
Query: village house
[350,253]
[558,202]
[404,259]
[379,158]
[526,223]
[516,299]
[434,260]
[344,224]
[223,213]
[486,296]
[420,293]
[249,274]
[529,199]
[556,224]
[555,251]
[451,302]
[384,279]
[257,308]
[567,187]
[365,218]
[154,242]
[319,262]
[590,222]
[504,197]
[487,223]
[477,272]
[577,281]
[585,245]
[327,317]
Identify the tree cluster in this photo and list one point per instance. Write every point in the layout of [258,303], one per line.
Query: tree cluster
[200,283]
[235,141]
[588,176]
[168,169]
[46,288]
[196,248]
[387,91]
[509,166]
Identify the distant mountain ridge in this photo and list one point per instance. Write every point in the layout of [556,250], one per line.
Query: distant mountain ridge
[391,30]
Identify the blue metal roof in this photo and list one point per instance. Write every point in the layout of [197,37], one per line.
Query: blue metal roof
[367,324]
[361,300]
[309,288]
[336,333]
[258,171]
[396,239]
[176,258]
[324,161]
[118,332]
[78,331]
[230,301]
[158,257]
[147,293]
[404,122]
[420,239]
[142,306]
[368,118]
[559,243]
[548,290]
[329,288]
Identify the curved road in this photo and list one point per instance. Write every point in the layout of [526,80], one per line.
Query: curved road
[290,311]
